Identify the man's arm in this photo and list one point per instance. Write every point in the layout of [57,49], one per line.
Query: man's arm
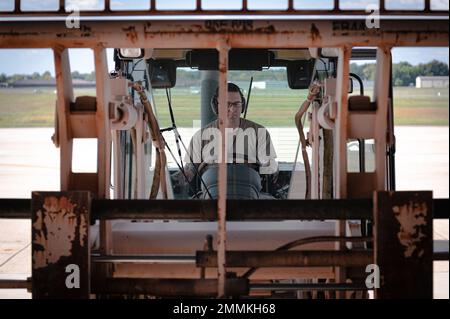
[192,157]
[266,153]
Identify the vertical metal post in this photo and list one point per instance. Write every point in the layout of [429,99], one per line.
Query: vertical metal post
[340,136]
[60,245]
[315,169]
[340,148]
[118,165]
[403,244]
[290,5]
[102,121]
[223,49]
[140,157]
[65,96]
[362,155]
[17,6]
[381,95]
[382,6]
[62,5]
[327,180]
[103,149]
[391,147]
[336,5]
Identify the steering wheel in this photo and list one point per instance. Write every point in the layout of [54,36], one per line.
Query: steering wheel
[203,166]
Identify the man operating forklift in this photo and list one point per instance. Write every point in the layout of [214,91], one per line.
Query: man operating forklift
[249,152]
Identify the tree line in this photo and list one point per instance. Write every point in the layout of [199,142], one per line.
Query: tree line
[11,79]
[403,73]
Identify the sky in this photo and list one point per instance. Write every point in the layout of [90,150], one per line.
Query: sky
[28,61]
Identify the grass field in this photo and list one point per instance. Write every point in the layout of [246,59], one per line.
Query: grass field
[35,108]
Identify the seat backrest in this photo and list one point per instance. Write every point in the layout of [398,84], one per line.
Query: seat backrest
[361,103]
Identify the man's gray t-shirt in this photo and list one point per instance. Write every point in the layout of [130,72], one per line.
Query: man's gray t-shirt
[250,143]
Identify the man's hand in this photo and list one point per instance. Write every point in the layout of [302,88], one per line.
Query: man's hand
[189,171]
[184,179]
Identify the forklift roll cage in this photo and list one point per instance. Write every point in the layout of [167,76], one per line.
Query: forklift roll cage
[223,31]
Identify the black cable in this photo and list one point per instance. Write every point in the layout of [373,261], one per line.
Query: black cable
[172,118]
[179,167]
[135,64]
[310,240]
[195,166]
[177,140]
[248,97]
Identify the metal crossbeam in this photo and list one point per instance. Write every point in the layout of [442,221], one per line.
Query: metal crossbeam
[339,209]
[287,258]
[184,34]
[169,287]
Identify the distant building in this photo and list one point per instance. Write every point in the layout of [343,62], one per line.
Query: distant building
[432,82]
[261,85]
[194,89]
[3,85]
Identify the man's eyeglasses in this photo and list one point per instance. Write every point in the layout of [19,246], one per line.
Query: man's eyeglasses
[234,104]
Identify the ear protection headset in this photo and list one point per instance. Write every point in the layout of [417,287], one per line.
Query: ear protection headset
[231,88]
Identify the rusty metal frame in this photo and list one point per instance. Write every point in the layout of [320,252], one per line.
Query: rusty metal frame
[244,29]
[223,48]
[254,258]
[204,34]
[340,147]
[108,209]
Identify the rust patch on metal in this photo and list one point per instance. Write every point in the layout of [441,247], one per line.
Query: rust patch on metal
[221,26]
[353,28]
[213,26]
[413,220]
[315,33]
[85,31]
[18,34]
[60,230]
[268,29]
[57,228]
[403,244]
[131,33]
[147,31]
